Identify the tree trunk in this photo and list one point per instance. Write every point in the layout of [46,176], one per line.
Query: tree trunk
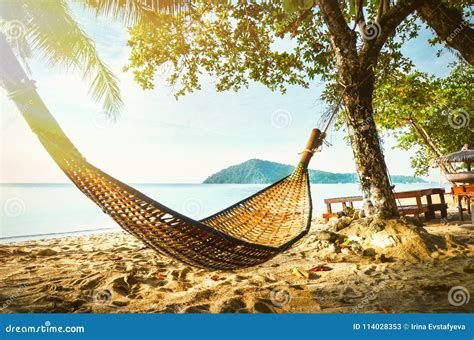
[23,93]
[355,73]
[369,159]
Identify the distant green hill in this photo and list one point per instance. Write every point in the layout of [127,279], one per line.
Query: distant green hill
[256,171]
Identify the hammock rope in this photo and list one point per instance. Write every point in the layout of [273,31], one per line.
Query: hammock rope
[245,234]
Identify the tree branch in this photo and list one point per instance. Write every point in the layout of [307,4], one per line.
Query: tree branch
[450,26]
[359,14]
[384,5]
[343,38]
[387,24]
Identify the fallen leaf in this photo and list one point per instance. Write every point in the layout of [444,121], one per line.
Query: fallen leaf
[301,272]
[320,269]
[160,277]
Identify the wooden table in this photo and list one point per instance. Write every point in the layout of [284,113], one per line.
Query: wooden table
[428,209]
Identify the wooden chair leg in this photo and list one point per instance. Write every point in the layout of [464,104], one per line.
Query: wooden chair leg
[430,214]
[472,215]
[444,207]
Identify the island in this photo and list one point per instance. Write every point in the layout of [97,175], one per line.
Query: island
[257,171]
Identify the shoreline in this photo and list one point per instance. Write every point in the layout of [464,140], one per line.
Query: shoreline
[11,240]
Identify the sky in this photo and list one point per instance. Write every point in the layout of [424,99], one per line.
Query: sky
[157,139]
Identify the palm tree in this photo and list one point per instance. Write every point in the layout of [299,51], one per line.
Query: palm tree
[48,28]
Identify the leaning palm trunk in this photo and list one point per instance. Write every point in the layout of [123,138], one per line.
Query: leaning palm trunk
[248,233]
[23,93]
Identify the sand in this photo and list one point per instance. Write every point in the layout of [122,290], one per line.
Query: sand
[116,273]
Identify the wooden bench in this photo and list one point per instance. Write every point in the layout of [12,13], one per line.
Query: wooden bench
[429,209]
[343,200]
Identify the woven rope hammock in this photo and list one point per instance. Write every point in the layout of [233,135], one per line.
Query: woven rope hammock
[246,234]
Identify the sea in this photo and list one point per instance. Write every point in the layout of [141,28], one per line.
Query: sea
[42,211]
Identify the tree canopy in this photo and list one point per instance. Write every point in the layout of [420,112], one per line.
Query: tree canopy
[432,115]
[276,43]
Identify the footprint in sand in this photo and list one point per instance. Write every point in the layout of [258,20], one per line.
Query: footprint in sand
[240,278]
[165,290]
[158,264]
[239,291]
[183,274]
[204,295]
[349,295]
[120,303]
[263,307]
[122,286]
[89,284]
[172,308]
[46,252]
[198,309]
[77,304]
[233,305]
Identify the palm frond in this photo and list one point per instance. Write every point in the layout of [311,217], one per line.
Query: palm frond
[58,37]
[133,11]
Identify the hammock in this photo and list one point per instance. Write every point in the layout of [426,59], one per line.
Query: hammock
[246,234]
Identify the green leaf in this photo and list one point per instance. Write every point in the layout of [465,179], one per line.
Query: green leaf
[290,6]
[351,8]
[307,4]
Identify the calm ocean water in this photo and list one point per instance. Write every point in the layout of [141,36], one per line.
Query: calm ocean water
[36,211]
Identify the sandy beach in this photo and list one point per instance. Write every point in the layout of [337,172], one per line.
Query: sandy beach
[116,273]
